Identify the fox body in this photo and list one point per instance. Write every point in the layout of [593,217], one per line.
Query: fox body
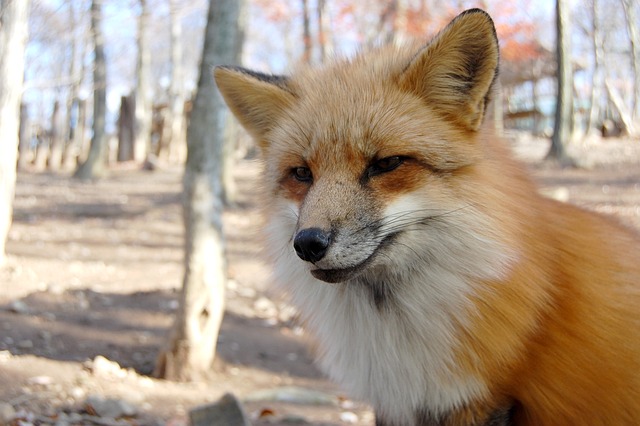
[439,285]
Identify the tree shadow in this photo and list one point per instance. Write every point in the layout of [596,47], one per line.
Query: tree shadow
[130,329]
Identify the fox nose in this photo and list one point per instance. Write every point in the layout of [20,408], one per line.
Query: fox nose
[311,244]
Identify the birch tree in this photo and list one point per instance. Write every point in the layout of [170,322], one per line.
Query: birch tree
[191,349]
[13,40]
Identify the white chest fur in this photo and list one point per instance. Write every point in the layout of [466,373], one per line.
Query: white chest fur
[399,357]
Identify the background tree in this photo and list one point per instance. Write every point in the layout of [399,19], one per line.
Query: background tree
[13,39]
[143,112]
[631,16]
[175,128]
[94,165]
[564,101]
[192,345]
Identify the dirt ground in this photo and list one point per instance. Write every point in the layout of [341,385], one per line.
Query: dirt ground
[91,285]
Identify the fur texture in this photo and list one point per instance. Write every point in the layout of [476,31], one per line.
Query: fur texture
[439,285]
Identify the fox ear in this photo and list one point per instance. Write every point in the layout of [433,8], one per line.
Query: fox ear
[456,70]
[257,100]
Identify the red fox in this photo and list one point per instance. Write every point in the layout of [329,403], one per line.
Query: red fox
[440,286]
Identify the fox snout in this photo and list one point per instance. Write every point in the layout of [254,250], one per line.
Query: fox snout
[311,244]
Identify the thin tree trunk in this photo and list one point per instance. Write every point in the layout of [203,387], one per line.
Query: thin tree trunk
[628,125]
[324,41]
[79,136]
[69,127]
[231,127]
[95,164]
[76,150]
[564,100]
[126,124]
[634,38]
[56,139]
[306,33]
[192,345]
[13,40]
[175,129]
[596,76]
[24,145]
[142,145]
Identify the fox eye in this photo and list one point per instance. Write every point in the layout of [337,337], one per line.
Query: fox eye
[384,165]
[302,174]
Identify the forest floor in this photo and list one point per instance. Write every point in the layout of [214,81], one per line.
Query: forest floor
[92,282]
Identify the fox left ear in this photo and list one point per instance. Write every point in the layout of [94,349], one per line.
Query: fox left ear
[455,72]
[257,100]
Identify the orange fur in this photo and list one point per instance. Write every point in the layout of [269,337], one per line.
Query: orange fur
[462,297]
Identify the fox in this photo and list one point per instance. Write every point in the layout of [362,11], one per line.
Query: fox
[437,282]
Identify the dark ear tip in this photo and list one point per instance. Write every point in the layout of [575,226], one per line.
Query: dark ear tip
[476,11]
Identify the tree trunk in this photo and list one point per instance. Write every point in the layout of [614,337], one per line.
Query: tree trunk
[79,136]
[126,124]
[13,40]
[175,120]
[24,145]
[564,98]
[142,144]
[324,27]
[306,33]
[634,37]
[56,139]
[192,345]
[95,164]
[626,116]
[596,76]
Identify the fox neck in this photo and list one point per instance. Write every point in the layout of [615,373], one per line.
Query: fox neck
[390,336]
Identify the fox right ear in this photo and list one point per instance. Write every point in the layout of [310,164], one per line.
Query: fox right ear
[257,100]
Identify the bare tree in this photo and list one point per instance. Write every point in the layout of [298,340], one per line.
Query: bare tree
[306,33]
[630,7]
[143,112]
[94,165]
[564,98]
[76,72]
[596,75]
[56,138]
[13,39]
[126,125]
[175,129]
[192,345]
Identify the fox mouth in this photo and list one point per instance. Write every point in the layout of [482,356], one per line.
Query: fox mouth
[334,276]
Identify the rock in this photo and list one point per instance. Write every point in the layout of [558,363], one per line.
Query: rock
[348,417]
[7,413]
[40,380]
[102,367]
[227,411]
[25,344]
[109,408]
[19,307]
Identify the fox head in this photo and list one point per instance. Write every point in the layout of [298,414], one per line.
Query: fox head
[367,159]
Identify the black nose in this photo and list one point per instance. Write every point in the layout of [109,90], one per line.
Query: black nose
[311,244]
